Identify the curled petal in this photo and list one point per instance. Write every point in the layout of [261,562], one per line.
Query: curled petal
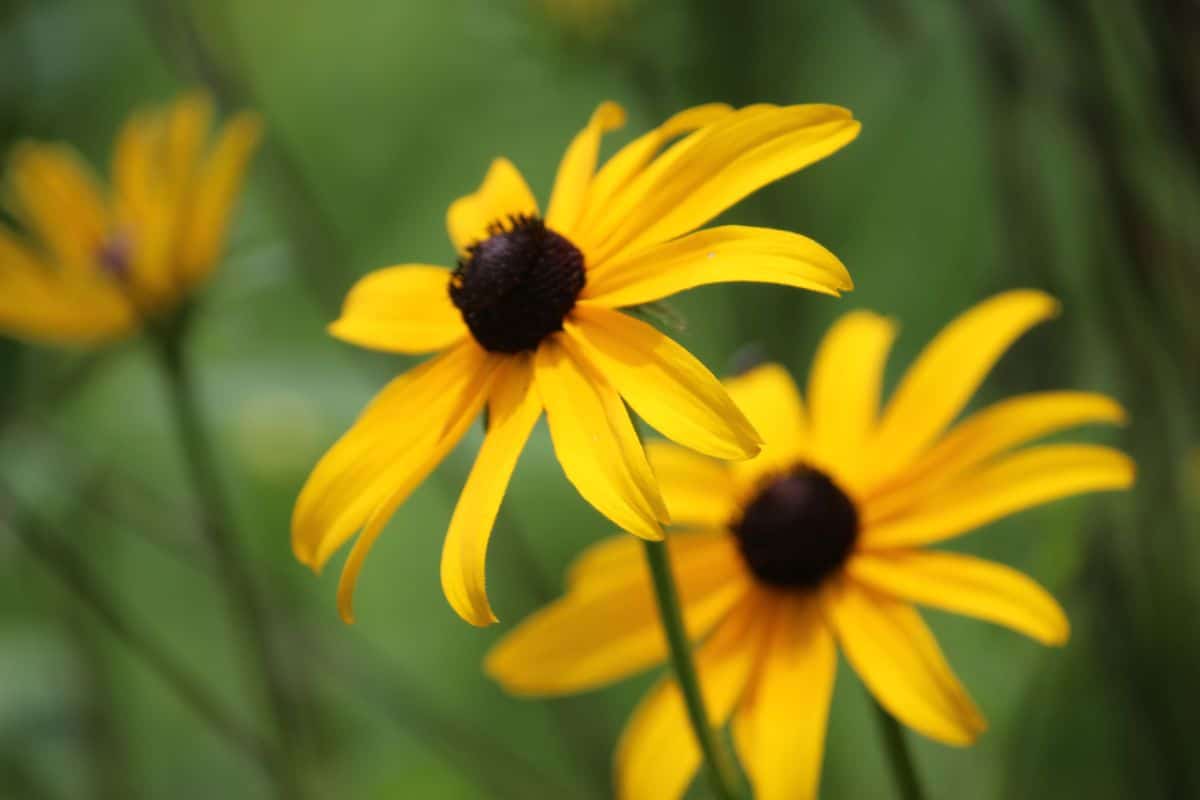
[513,410]
[577,168]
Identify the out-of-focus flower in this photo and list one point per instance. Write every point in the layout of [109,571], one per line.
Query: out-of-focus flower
[92,263]
[583,16]
[820,542]
[529,321]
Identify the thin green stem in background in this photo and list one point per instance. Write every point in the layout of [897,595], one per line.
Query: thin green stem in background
[899,755]
[246,609]
[75,574]
[718,762]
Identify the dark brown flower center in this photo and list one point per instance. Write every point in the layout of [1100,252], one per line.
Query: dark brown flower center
[515,287]
[115,255]
[797,530]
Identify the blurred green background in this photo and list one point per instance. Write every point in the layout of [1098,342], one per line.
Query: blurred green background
[1005,144]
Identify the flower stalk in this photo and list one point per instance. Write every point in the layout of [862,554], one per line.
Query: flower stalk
[247,614]
[718,761]
[899,756]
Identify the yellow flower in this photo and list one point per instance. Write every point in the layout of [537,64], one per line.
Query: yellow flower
[91,264]
[820,540]
[529,321]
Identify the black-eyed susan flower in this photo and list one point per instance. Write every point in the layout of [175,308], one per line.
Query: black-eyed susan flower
[822,542]
[530,321]
[89,263]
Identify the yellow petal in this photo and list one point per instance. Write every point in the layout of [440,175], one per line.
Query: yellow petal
[937,387]
[361,471]
[965,585]
[137,173]
[733,158]
[663,383]
[404,309]
[779,727]
[59,201]
[843,392]
[42,305]
[633,157]
[595,442]
[416,464]
[607,626]
[985,435]
[896,656]
[187,126]
[145,211]
[1014,422]
[513,409]
[769,398]
[657,754]
[613,559]
[726,254]
[577,167]
[1025,479]
[503,194]
[697,490]
[219,182]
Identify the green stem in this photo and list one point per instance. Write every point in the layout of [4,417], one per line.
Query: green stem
[899,756]
[247,614]
[718,762]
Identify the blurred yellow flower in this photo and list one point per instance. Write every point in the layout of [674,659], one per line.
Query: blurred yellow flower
[90,264]
[583,15]
[820,539]
[529,321]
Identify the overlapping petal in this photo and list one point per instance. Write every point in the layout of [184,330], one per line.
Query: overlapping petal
[965,585]
[577,168]
[425,453]
[714,168]
[696,489]
[633,157]
[657,754]
[779,727]
[595,441]
[39,304]
[513,410]
[383,450]
[769,398]
[403,309]
[60,202]
[663,382]
[896,656]
[947,373]
[186,128]
[1023,480]
[728,254]
[503,194]
[607,626]
[218,183]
